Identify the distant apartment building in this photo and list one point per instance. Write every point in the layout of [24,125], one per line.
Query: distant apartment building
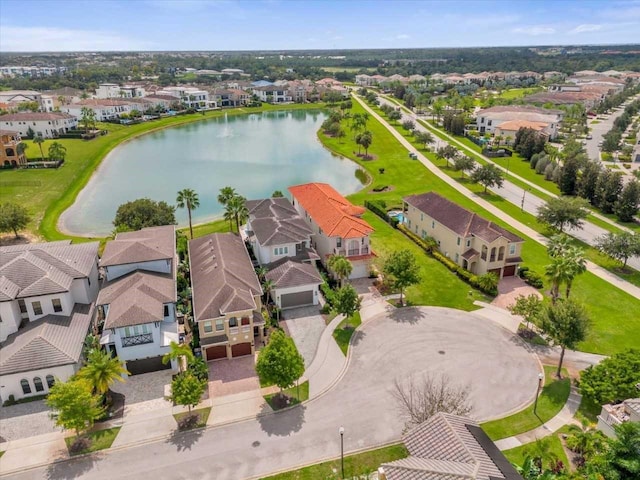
[44,124]
[104,109]
[113,90]
[10,154]
[191,97]
[24,71]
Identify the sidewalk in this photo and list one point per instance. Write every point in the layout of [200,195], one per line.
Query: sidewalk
[564,417]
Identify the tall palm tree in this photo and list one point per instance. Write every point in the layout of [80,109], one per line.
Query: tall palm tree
[239,209]
[557,271]
[176,351]
[340,266]
[575,264]
[39,140]
[267,287]
[189,199]
[558,245]
[102,370]
[226,194]
[261,272]
[228,216]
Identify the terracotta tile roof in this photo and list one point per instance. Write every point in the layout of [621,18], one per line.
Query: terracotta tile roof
[146,245]
[287,273]
[137,298]
[518,124]
[50,341]
[459,220]
[222,276]
[334,214]
[469,254]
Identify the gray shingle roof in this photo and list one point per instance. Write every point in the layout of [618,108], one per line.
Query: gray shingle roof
[50,341]
[458,219]
[43,268]
[137,298]
[222,277]
[146,245]
[287,273]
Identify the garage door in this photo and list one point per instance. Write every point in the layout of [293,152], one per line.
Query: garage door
[146,365]
[240,349]
[360,270]
[290,300]
[219,351]
[496,271]
[509,271]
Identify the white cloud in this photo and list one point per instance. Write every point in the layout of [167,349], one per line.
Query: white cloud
[534,30]
[402,36]
[586,27]
[49,39]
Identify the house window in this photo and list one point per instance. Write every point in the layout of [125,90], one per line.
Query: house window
[489,122]
[338,242]
[37,382]
[26,388]
[219,325]
[233,322]
[37,308]
[468,243]
[22,305]
[166,310]
[245,321]
[57,305]
[50,381]
[207,327]
[433,224]
[424,234]
[485,250]
[422,217]
[458,242]
[409,224]
[512,249]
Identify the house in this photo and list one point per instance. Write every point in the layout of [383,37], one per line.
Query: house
[44,124]
[489,118]
[15,97]
[191,97]
[449,447]
[364,80]
[113,90]
[474,243]
[336,225]
[226,296]
[231,97]
[272,94]
[509,129]
[612,415]
[47,294]
[10,153]
[281,241]
[137,300]
[104,109]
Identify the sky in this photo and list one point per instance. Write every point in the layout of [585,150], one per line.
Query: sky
[75,25]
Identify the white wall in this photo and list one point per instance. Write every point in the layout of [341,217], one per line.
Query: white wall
[115,271]
[10,384]
[266,254]
[66,300]
[44,128]
[140,351]
[11,318]
[85,290]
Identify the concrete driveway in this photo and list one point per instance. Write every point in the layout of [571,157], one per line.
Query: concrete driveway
[25,420]
[305,325]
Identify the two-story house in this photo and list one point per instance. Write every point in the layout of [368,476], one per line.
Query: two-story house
[489,118]
[474,243]
[281,241]
[273,94]
[613,415]
[137,301]
[46,307]
[11,154]
[336,225]
[226,296]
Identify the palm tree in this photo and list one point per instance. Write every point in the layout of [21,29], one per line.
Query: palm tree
[39,140]
[340,266]
[189,199]
[239,209]
[176,351]
[226,194]
[21,148]
[558,271]
[261,272]
[575,264]
[267,287]
[558,245]
[365,139]
[228,216]
[57,151]
[102,370]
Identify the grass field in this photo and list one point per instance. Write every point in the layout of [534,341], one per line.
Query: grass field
[552,443]
[202,413]
[100,439]
[297,394]
[347,69]
[343,335]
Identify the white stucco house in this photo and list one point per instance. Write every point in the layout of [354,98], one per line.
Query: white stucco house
[44,124]
[47,294]
[137,301]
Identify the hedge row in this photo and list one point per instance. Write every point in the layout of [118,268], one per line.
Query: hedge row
[430,246]
[530,277]
[378,208]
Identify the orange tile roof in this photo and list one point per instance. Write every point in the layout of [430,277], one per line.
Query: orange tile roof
[334,214]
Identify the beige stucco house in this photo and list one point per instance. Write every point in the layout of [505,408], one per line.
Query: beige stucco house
[474,243]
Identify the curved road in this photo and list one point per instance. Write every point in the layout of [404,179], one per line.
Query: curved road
[501,375]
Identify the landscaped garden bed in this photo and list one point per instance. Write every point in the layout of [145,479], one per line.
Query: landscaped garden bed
[92,441]
[193,419]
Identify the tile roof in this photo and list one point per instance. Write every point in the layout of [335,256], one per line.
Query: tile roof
[449,447]
[50,341]
[287,273]
[222,276]
[274,221]
[146,245]
[459,220]
[137,298]
[334,214]
[34,116]
[43,268]
[518,124]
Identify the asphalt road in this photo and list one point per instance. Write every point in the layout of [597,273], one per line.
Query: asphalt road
[500,372]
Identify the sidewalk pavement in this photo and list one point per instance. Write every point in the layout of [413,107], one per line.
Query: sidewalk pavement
[328,364]
[499,315]
[564,417]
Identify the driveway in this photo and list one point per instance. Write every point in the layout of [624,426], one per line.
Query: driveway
[229,377]
[145,392]
[510,288]
[305,325]
[25,420]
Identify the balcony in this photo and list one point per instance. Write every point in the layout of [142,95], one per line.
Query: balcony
[137,340]
[358,251]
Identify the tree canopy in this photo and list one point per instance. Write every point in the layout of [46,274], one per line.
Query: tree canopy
[13,218]
[144,212]
[613,379]
[279,362]
[620,246]
[563,212]
[346,301]
[75,406]
[187,389]
[404,270]
[487,175]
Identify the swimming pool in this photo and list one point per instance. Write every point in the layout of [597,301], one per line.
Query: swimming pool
[398,215]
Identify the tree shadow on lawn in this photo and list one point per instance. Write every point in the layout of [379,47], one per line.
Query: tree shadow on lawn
[282,423]
[185,439]
[409,315]
[74,468]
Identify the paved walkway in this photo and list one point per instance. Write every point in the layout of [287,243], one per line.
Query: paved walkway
[521,227]
[564,417]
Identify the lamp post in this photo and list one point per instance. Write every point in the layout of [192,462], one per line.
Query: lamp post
[341,430]
[524,192]
[535,405]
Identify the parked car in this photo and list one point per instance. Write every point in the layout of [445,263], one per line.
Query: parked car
[589,137]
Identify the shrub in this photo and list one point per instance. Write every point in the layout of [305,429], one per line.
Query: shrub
[326,309]
[380,188]
[381,170]
[541,165]
[328,293]
[534,161]
[533,279]
[379,208]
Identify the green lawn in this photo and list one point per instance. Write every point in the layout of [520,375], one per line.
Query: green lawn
[515,93]
[553,397]
[358,464]
[100,439]
[343,335]
[203,414]
[297,394]
[200,230]
[517,455]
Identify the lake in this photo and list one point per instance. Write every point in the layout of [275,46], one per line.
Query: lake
[255,153]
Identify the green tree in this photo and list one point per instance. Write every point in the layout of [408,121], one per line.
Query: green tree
[88,118]
[528,307]
[608,190]
[340,266]
[448,152]
[144,212]
[13,218]
[621,460]
[277,194]
[347,302]
[566,323]
[620,246]
[487,175]
[394,115]
[189,199]
[199,368]
[187,390]
[408,125]
[626,207]
[588,181]
[238,209]
[365,139]
[39,140]
[403,268]
[225,195]
[561,212]
[613,379]
[74,406]
[57,151]
[176,352]
[279,362]
[464,163]
[102,370]
[568,180]
[425,138]
[575,264]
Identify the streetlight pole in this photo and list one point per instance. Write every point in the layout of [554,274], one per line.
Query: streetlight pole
[341,430]
[524,192]
[535,405]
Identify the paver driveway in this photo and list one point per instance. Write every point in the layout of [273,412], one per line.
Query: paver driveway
[305,325]
[228,377]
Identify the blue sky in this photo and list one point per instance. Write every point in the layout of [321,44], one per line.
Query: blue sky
[56,25]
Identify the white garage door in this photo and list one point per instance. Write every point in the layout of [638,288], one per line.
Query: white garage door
[360,270]
[298,299]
